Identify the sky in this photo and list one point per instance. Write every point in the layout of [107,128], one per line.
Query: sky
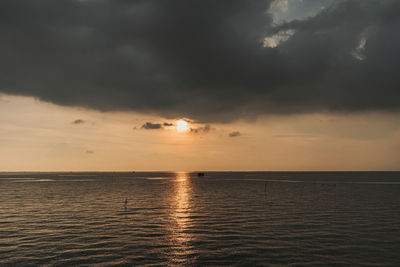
[102,85]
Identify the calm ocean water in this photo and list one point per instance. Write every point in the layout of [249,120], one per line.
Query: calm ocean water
[223,218]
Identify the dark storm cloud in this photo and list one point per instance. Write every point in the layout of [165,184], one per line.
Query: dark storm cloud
[152,126]
[201,59]
[78,121]
[234,134]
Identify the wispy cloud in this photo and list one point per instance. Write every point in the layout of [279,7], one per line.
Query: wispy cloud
[204,129]
[152,126]
[235,134]
[78,121]
[155,125]
[294,136]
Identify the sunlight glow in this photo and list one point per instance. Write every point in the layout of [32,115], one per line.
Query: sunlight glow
[181,126]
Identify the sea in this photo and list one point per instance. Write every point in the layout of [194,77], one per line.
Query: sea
[183,219]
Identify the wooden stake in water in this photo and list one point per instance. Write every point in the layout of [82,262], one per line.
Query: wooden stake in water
[126,204]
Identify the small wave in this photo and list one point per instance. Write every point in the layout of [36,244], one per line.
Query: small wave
[16,178]
[77,180]
[158,178]
[33,180]
[67,175]
[313,182]
[392,183]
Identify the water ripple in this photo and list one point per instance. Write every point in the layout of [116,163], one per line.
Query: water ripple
[240,219]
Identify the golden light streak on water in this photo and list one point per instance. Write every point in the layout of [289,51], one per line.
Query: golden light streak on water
[181,222]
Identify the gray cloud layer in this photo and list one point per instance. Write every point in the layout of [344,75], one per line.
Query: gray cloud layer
[201,59]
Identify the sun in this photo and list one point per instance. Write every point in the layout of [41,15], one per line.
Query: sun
[182,126]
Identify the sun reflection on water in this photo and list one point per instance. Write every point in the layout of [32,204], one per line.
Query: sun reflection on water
[181,221]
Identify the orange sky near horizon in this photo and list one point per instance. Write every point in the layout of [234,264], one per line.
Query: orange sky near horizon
[39,136]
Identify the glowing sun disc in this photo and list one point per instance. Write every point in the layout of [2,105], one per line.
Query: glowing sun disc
[181,126]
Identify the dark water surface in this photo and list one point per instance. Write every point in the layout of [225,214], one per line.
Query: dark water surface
[253,218]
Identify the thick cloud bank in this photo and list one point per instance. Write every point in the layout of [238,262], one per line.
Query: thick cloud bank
[206,60]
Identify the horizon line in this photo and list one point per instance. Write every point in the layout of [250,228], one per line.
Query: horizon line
[177,171]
